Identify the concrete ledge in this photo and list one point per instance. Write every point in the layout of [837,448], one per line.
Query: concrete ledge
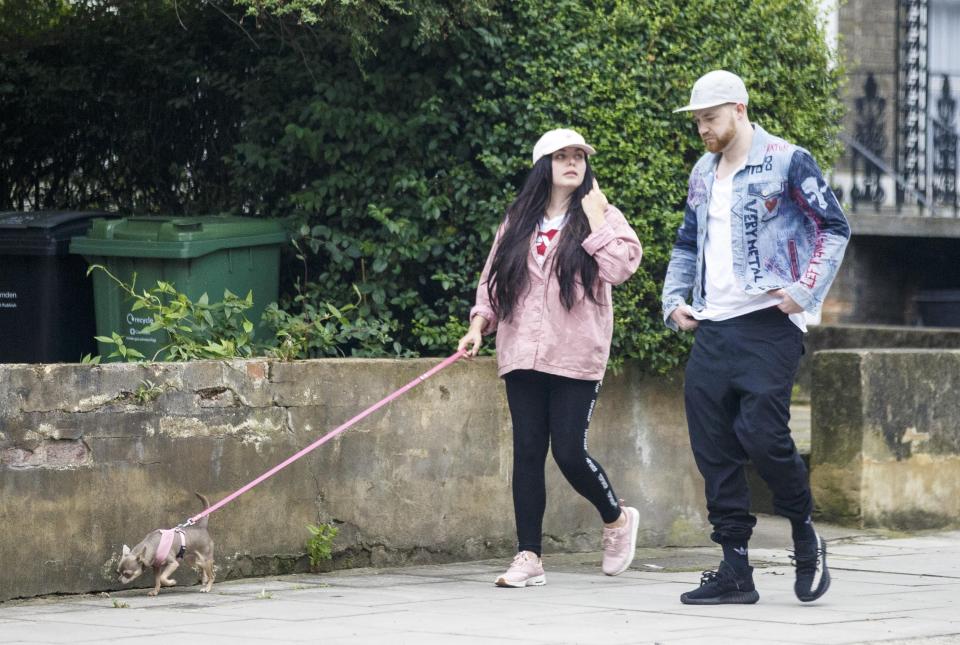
[909,223]
[826,337]
[886,437]
[92,457]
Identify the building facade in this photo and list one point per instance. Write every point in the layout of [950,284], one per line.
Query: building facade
[898,176]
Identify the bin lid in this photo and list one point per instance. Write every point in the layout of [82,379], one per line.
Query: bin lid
[176,237]
[43,232]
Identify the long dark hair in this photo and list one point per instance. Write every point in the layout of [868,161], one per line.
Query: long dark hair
[508,278]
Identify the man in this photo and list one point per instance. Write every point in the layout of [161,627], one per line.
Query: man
[761,240]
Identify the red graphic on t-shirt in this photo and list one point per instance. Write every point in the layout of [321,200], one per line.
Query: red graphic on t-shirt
[541,243]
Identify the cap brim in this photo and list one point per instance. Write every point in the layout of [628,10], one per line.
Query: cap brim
[581,146]
[588,149]
[704,106]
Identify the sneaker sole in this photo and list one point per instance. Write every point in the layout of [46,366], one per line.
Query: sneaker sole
[824,576]
[535,581]
[819,591]
[731,598]
[633,542]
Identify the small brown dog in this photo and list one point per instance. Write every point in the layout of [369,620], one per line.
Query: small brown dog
[196,551]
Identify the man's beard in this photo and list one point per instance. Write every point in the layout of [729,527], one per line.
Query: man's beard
[722,139]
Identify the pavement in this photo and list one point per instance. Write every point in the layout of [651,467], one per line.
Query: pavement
[886,589]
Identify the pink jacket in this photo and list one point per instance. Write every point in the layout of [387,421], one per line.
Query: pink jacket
[543,335]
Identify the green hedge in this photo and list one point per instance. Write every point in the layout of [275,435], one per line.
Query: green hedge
[412,162]
[617,69]
[396,171]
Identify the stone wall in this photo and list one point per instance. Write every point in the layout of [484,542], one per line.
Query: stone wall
[93,457]
[824,337]
[886,437]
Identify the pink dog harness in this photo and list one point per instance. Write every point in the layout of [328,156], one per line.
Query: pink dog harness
[166,542]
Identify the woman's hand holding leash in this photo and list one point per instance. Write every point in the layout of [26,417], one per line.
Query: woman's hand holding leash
[473,339]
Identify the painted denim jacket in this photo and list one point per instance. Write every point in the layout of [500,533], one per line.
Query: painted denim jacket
[788,232]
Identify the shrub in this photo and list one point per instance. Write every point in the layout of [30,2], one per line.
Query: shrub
[202,329]
[193,329]
[320,543]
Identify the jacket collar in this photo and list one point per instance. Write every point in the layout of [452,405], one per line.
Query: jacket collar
[758,147]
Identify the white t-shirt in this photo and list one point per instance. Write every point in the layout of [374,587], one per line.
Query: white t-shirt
[543,241]
[725,298]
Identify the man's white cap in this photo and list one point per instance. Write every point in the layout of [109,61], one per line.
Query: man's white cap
[716,88]
[555,140]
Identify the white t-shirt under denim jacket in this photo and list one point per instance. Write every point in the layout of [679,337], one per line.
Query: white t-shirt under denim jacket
[786,231]
[724,298]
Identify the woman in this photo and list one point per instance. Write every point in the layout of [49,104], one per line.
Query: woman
[546,290]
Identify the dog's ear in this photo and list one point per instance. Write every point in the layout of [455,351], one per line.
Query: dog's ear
[139,553]
[126,550]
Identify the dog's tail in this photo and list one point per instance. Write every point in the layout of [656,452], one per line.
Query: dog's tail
[202,522]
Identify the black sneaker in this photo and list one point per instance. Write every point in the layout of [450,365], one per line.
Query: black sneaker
[813,576]
[723,587]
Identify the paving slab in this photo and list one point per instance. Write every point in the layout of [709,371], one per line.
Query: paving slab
[892,589]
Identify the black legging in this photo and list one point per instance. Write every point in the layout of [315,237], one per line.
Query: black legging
[552,409]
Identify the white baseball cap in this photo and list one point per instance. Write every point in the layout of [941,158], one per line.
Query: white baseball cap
[555,140]
[716,88]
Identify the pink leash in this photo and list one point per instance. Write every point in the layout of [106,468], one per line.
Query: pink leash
[327,437]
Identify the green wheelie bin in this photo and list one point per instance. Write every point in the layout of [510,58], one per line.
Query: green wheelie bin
[197,255]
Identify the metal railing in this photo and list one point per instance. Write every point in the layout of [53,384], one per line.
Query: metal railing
[933,192]
[944,185]
[871,190]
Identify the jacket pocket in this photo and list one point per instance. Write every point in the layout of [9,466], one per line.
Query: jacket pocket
[766,197]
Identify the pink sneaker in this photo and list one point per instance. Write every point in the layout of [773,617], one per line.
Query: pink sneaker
[525,570]
[620,544]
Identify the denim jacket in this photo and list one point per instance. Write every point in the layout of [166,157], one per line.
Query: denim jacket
[788,232]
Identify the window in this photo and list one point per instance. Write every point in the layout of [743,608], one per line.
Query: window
[943,58]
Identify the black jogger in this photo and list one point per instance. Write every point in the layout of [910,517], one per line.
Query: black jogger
[738,384]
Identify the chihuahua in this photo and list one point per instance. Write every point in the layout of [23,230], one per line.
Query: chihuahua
[194,547]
